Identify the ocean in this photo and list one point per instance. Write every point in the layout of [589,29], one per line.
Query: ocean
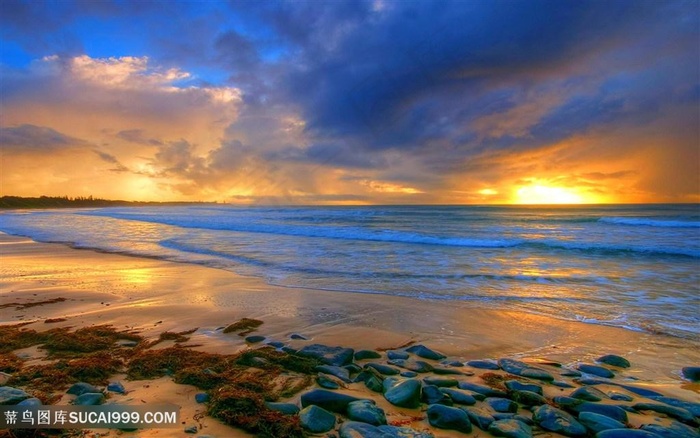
[631,266]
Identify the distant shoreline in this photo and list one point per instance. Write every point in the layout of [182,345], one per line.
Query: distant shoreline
[19,202]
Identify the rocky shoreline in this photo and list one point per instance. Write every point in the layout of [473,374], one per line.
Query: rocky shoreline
[273,390]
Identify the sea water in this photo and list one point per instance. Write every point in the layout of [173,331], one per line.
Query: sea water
[633,266]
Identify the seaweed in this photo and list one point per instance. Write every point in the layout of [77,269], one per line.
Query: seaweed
[178,337]
[273,358]
[244,326]
[22,306]
[15,337]
[9,363]
[63,342]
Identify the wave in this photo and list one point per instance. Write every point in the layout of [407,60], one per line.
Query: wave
[636,221]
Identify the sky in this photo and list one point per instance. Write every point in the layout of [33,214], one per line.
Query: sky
[352,102]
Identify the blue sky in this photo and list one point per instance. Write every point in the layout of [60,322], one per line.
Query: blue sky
[353,101]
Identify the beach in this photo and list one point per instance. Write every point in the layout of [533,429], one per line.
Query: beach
[150,296]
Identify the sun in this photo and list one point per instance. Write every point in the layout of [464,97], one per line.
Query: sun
[540,194]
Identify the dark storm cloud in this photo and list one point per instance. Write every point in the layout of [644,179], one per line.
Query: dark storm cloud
[111,159]
[31,138]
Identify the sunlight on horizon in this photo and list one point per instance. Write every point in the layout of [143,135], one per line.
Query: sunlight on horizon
[541,194]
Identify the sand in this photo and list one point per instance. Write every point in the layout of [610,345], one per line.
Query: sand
[152,296]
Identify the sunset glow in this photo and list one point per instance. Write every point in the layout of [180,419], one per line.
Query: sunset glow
[399,104]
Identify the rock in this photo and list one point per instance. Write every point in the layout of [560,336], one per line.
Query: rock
[353,368]
[298,336]
[480,416]
[528,398]
[640,391]
[89,399]
[417,366]
[672,411]
[693,408]
[519,368]
[445,417]
[366,411]
[556,420]
[336,356]
[329,400]
[510,429]
[81,388]
[285,408]
[673,430]
[484,364]
[11,396]
[481,389]
[396,354]
[384,369]
[691,373]
[372,379]
[405,394]
[614,360]
[367,354]
[567,402]
[115,387]
[620,397]
[452,363]
[443,383]
[625,433]
[514,385]
[276,344]
[190,429]
[316,419]
[4,378]
[432,395]
[597,423]
[254,339]
[499,404]
[409,374]
[450,371]
[458,396]
[612,411]
[562,384]
[589,393]
[596,370]
[201,397]
[339,372]
[30,402]
[425,352]
[355,429]
[327,382]
[570,373]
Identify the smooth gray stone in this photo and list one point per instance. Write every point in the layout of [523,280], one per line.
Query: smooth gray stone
[366,411]
[452,363]
[432,395]
[499,404]
[480,416]
[536,373]
[556,420]
[598,423]
[409,374]
[425,352]
[397,354]
[190,429]
[672,411]
[562,384]
[484,364]
[417,366]
[614,360]
[570,373]
[514,385]
[326,381]
[510,416]
[285,408]
[316,419]
[596,370]
[620,397]
[446,417]
[674,430]
[481,389]
[81,388]
[612,411]
[298,336]
[30,402]
[510,428]
[201,397]
[458,396]
[337,356]
[356,429]
[441,382]
[567,402]
[625,433]
[403,432]
[89,399]
[254,339]
[353,368]
[450,371]
[383,369]
[276,344]
[691,373]
[520,368]
[116,387]
[372,379]
[328,400]
[693,408]
[339,372]
[405,394]
[11,396]
[367,354]
[528,398]
[588,393]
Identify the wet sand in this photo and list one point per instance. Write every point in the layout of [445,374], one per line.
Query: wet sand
[151,296]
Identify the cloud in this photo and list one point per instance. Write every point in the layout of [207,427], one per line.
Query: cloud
[31,138]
